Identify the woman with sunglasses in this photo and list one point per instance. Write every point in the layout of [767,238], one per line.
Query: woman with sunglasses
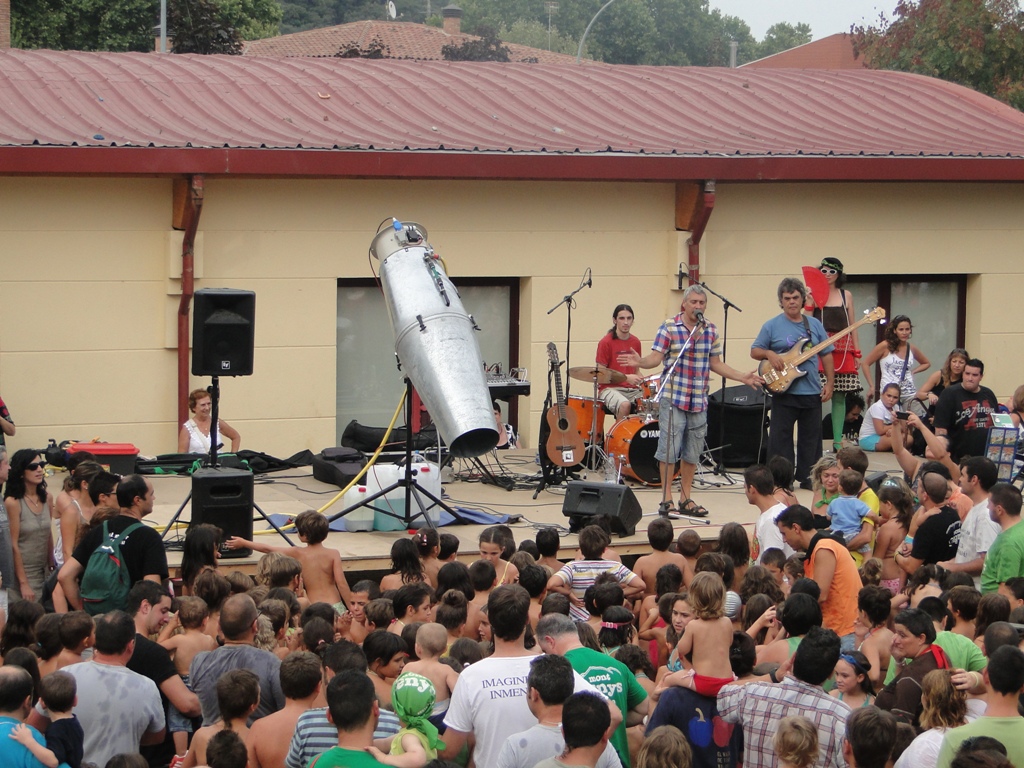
[836,315]
[29,508]
[898,360]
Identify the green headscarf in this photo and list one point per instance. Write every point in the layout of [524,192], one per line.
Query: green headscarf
[412,697]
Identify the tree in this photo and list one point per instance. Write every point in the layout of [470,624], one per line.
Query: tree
[976,43]
[254,19]
[128,25]
[486,48]
[201,26]
[534,34]
[782,37]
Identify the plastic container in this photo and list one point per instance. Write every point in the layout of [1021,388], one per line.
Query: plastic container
[361,518]
[427,476]
[118,458]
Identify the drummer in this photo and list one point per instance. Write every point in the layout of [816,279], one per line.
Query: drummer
[619,398]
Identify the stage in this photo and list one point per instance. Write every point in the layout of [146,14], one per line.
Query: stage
[291,492]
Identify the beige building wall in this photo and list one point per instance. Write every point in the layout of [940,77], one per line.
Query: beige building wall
[90,280]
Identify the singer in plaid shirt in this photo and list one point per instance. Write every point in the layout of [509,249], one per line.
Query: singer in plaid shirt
[683,419]
[758,707]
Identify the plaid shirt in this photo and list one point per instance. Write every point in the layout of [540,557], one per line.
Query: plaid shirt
[758,708]
[688,388]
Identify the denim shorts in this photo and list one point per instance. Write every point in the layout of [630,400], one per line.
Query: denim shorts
[177,722]
[685,439]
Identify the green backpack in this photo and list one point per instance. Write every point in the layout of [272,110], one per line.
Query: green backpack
[106,583]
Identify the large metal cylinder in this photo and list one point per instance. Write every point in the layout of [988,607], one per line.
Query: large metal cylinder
[435,339]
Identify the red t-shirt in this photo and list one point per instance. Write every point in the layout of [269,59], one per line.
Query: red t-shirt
[610,347]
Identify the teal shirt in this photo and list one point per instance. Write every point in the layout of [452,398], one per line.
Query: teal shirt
[339,757]
[1005,559]
[612,678]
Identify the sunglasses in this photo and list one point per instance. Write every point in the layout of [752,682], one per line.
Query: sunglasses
[35,465]
[829,271]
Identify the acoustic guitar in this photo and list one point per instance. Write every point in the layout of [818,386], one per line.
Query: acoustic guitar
[777,382]
[565,444]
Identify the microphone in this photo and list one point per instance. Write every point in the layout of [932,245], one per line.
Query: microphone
[589,281]
[700,319]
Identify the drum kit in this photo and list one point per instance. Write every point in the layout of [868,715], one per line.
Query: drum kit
[632,441]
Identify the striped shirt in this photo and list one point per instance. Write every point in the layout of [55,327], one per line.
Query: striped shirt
[688,387]
[314,735]
[580,574]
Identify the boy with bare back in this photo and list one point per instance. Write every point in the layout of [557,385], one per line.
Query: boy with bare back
[431,642]
[322,572]
[708,637]
[238,695]
[302,683]
[192,616]
[659,535]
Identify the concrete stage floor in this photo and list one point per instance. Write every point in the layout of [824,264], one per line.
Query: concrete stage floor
[291,492]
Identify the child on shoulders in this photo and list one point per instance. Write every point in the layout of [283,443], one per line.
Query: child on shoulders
[708,637]
[192,616]
[65,739]
[849,515]
[431,642]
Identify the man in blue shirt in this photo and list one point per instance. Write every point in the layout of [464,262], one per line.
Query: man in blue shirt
[800,404]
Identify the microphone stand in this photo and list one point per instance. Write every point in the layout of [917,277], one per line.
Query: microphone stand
[720,458]
[569,305]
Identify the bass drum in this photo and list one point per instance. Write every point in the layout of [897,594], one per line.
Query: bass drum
[633,442]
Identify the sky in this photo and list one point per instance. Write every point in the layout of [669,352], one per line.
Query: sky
[826,17]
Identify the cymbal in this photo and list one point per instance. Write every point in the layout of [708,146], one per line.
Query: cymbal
[598,373]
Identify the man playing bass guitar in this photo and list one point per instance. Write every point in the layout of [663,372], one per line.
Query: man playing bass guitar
[800,404]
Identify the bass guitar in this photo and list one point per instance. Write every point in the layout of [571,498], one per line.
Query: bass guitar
[565,444]
[777,382]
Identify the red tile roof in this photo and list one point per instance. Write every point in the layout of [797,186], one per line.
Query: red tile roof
[480,120]
[401,40]
[832,52]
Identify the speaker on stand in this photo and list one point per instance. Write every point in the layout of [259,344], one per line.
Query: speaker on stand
[223,341]
[223,497]
[223,334]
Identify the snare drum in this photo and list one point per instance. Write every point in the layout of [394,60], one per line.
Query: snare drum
[634,441]
[586,409]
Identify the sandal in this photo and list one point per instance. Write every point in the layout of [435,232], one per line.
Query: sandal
[692,508]
[667,509]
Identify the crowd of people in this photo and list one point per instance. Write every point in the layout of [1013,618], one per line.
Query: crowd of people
[790,648]
[875,626]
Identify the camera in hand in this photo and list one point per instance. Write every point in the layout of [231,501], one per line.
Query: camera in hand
[902,415]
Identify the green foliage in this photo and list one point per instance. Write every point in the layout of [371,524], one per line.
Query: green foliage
[84,25]
[487,48]
[201,26]
[976,43]
[205,26]
[782,37]
[254,19]
[535,34]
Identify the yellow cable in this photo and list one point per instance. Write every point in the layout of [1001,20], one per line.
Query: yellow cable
[362,472]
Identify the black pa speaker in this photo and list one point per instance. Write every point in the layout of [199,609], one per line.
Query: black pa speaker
[584,500]
[746,426]
[223,332]
[224,497]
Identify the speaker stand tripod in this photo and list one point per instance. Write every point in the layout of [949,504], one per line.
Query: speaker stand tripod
[214,390]
[413,490]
